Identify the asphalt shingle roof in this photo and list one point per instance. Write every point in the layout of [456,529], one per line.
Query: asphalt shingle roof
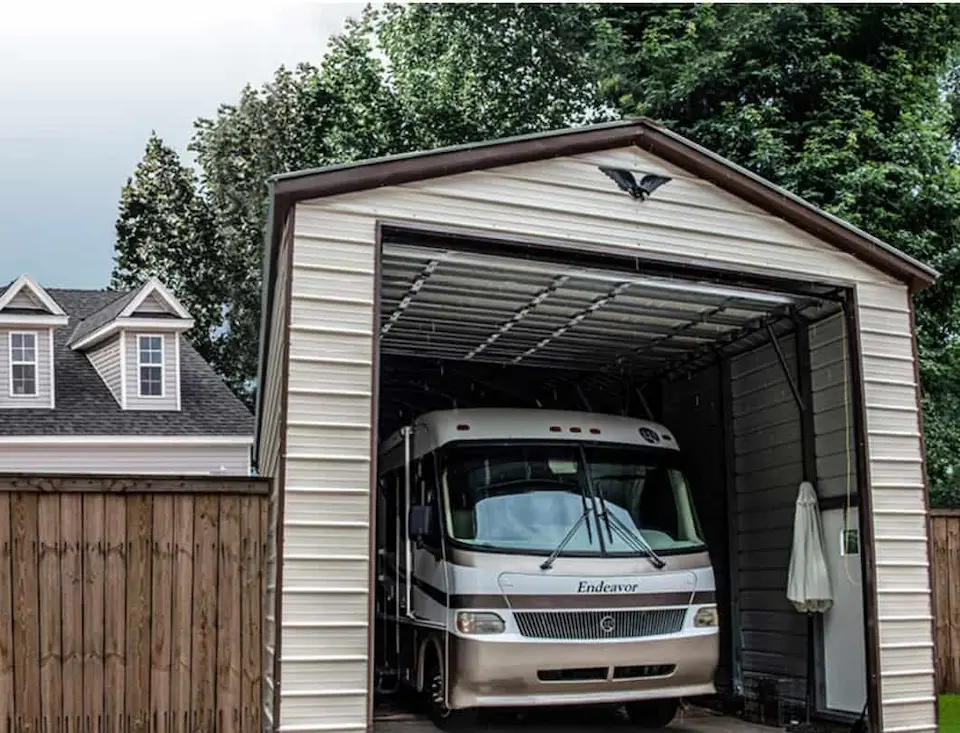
[84,405]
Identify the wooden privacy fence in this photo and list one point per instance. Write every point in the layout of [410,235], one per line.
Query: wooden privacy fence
[945,536]
[131,605]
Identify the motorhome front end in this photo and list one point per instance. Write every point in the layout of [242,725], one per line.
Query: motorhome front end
[533,557]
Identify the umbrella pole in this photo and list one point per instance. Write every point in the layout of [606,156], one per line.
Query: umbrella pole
[811,667]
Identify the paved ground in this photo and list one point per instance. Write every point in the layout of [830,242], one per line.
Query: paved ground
[581,721]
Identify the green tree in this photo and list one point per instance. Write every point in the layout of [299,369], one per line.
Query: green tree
[165,228]
[839,104]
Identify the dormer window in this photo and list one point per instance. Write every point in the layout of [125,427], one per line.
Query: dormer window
[150,365]
[23,364]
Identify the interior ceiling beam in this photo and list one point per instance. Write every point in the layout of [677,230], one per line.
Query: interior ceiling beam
[788,313]
[594,306]
[405,301]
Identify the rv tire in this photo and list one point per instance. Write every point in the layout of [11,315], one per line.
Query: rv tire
[434,684]
[652,713]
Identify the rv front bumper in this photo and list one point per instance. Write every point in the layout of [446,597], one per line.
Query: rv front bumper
[500,672]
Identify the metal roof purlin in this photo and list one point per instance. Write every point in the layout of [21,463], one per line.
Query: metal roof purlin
[594,306]
[520,314]
[405,301]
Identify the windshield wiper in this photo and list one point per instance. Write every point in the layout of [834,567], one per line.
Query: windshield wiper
[634,539]
[548,563]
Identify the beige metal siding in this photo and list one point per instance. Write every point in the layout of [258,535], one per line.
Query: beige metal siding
[106,360]
[44,366]
[324,645]
[571,202]
[171,373]
[161,458]
[904,602]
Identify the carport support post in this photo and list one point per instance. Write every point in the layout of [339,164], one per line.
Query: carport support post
[802,391]
[808,442]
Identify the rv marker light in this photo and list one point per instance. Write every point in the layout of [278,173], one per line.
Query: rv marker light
[463,427]
[575,430]
[555,429]
[595,431]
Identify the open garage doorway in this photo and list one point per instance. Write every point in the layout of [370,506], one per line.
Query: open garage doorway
[752,379]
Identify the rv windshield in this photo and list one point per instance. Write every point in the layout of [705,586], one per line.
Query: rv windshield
[528,497]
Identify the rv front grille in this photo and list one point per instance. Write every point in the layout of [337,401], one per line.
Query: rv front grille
[599,624]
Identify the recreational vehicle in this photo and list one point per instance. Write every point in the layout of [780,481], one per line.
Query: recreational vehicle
[533,557]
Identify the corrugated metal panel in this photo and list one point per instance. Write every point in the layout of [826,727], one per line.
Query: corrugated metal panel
[162,458]
[907,685]
[171,374]
[710,227]
[693,411]
[106,360]
[769,469]
[42,398]
[327,505]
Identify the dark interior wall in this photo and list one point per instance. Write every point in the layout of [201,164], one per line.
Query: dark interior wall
[692,409]
[768,469]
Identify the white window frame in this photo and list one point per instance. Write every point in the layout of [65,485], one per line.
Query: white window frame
[35,364]
[162,365]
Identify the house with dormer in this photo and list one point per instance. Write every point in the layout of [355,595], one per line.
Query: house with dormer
[103,381]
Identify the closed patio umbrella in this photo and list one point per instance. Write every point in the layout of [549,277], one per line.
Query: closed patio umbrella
[808,582]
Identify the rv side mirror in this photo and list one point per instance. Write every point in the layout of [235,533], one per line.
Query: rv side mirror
[421,521]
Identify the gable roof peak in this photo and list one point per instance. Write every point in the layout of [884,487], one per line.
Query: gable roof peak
[25,284]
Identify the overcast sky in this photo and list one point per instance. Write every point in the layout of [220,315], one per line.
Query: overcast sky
[84,82]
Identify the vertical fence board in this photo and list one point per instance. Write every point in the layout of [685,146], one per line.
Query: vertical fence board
[953,595]
[251,602]
[160,647]
[7,709]
[941,582]
[71,608]
[228,616]
[51,660]
[94,545]
[130,613]
[26,625]
[182,612]
[204,656]
[115,611]
[139,533]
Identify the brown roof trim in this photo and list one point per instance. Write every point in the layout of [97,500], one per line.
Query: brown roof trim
[646,134]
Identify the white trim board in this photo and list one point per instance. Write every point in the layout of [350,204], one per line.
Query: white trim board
[133,324]
[154,286]
[126,440]
[39,293]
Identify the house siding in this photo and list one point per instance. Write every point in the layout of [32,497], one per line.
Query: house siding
[160,458]
[106,360]
[23,300]
[44,368]
[332,333]
[171,374]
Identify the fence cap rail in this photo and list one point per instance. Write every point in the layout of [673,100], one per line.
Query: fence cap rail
[953,512]
[132,484]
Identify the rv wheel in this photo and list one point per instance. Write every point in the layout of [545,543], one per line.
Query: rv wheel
[434,688]
[652,713]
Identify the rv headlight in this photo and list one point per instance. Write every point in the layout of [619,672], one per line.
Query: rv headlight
[470,622]
[706,616]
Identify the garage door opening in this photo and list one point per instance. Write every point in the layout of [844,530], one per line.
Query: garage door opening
[753,378]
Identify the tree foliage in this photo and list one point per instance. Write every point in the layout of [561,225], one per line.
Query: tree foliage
[853,107]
